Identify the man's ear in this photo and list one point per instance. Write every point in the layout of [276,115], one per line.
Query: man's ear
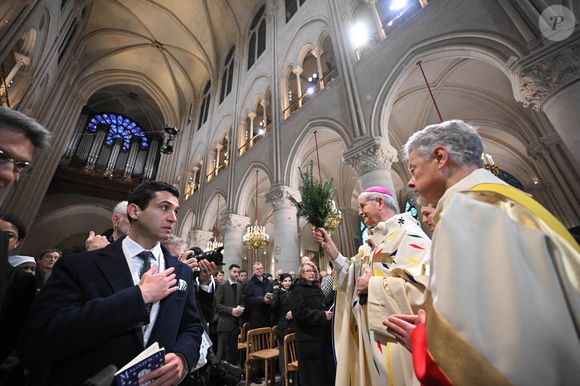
[441,155]
[115,220]
[133,211]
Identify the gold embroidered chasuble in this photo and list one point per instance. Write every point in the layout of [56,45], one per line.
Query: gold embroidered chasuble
[398,254]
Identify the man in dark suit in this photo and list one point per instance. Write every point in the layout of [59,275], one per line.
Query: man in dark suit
[104,307]
[229,298]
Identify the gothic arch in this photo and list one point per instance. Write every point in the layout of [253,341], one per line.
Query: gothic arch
[488,48]
[210,215]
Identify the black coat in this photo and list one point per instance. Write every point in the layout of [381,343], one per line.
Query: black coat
[258,311]
[281,306]
[89,315]
[313,334]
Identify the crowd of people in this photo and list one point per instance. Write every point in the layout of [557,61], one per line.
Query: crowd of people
[492,299]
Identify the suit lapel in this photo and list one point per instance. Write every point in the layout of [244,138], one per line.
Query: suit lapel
[113,264]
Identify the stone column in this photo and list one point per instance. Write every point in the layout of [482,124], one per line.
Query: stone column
[550,82]
[372,4]
[297,70]
[286,247]
[250,141]
[371,160]
[556,172]
[218,148]
[199,238]
[317,53]
[243,131]
[264,104]
[21,61]
[234,227]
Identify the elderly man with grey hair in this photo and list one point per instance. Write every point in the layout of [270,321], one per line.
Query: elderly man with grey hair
[121,227]
[504,304]
[387,276]
[20,136]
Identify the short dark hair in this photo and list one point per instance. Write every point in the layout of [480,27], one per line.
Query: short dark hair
[243,270]
[232,266]
[144,193]
[41,255]
[12,219]
[34,131]
[284,276]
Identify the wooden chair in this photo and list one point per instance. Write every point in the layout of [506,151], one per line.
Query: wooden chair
[290,358]
[275,336]
[242,341]
[242,338]
[260,348]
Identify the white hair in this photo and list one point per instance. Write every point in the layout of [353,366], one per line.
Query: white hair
[459,138]
[121,208]
[174,240]
[388,200]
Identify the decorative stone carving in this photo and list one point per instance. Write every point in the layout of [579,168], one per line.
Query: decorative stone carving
[553,71]
[278,196]
[542,145]
[370,154]
[232,222]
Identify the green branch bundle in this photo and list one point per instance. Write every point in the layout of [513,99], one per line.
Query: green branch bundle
[316,204]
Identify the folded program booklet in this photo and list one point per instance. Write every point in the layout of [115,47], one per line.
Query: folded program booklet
[150,359]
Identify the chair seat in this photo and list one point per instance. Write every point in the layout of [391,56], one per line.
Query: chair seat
[242,346]
[269,353]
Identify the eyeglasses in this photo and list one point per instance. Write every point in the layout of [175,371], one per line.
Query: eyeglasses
[20,167]
[308,270]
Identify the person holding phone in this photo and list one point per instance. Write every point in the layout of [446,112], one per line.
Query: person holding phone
[312,325]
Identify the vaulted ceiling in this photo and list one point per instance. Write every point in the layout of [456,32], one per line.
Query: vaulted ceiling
[177,45]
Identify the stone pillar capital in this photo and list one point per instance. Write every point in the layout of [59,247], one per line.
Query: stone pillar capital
[317,52]
[297,70]
[22,59]
[370,154]
[546,73]
[278,196]
[232,222]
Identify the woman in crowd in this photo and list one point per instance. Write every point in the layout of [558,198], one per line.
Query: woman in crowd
[281,308]
[313,329]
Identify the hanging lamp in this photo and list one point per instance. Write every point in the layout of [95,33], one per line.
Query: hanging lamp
[256,236]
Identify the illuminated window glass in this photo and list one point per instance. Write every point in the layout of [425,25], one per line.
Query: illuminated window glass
[410,208]
[120,127]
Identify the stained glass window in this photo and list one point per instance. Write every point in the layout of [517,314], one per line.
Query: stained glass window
[120,127]
[410,208]
[364,232]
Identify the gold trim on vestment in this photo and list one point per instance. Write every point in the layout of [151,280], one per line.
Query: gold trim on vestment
[454,356]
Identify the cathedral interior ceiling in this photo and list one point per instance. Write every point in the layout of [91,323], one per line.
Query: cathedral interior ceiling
[178,45]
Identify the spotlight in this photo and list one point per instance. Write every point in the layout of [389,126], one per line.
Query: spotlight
[397,5]
[166,148]
[171,131]
[310,90]
[261,131]
[359,35]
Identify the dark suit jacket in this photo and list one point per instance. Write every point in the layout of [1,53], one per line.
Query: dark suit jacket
[225,301]
[89,315]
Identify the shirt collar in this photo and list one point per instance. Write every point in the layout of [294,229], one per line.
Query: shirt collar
[134,248]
